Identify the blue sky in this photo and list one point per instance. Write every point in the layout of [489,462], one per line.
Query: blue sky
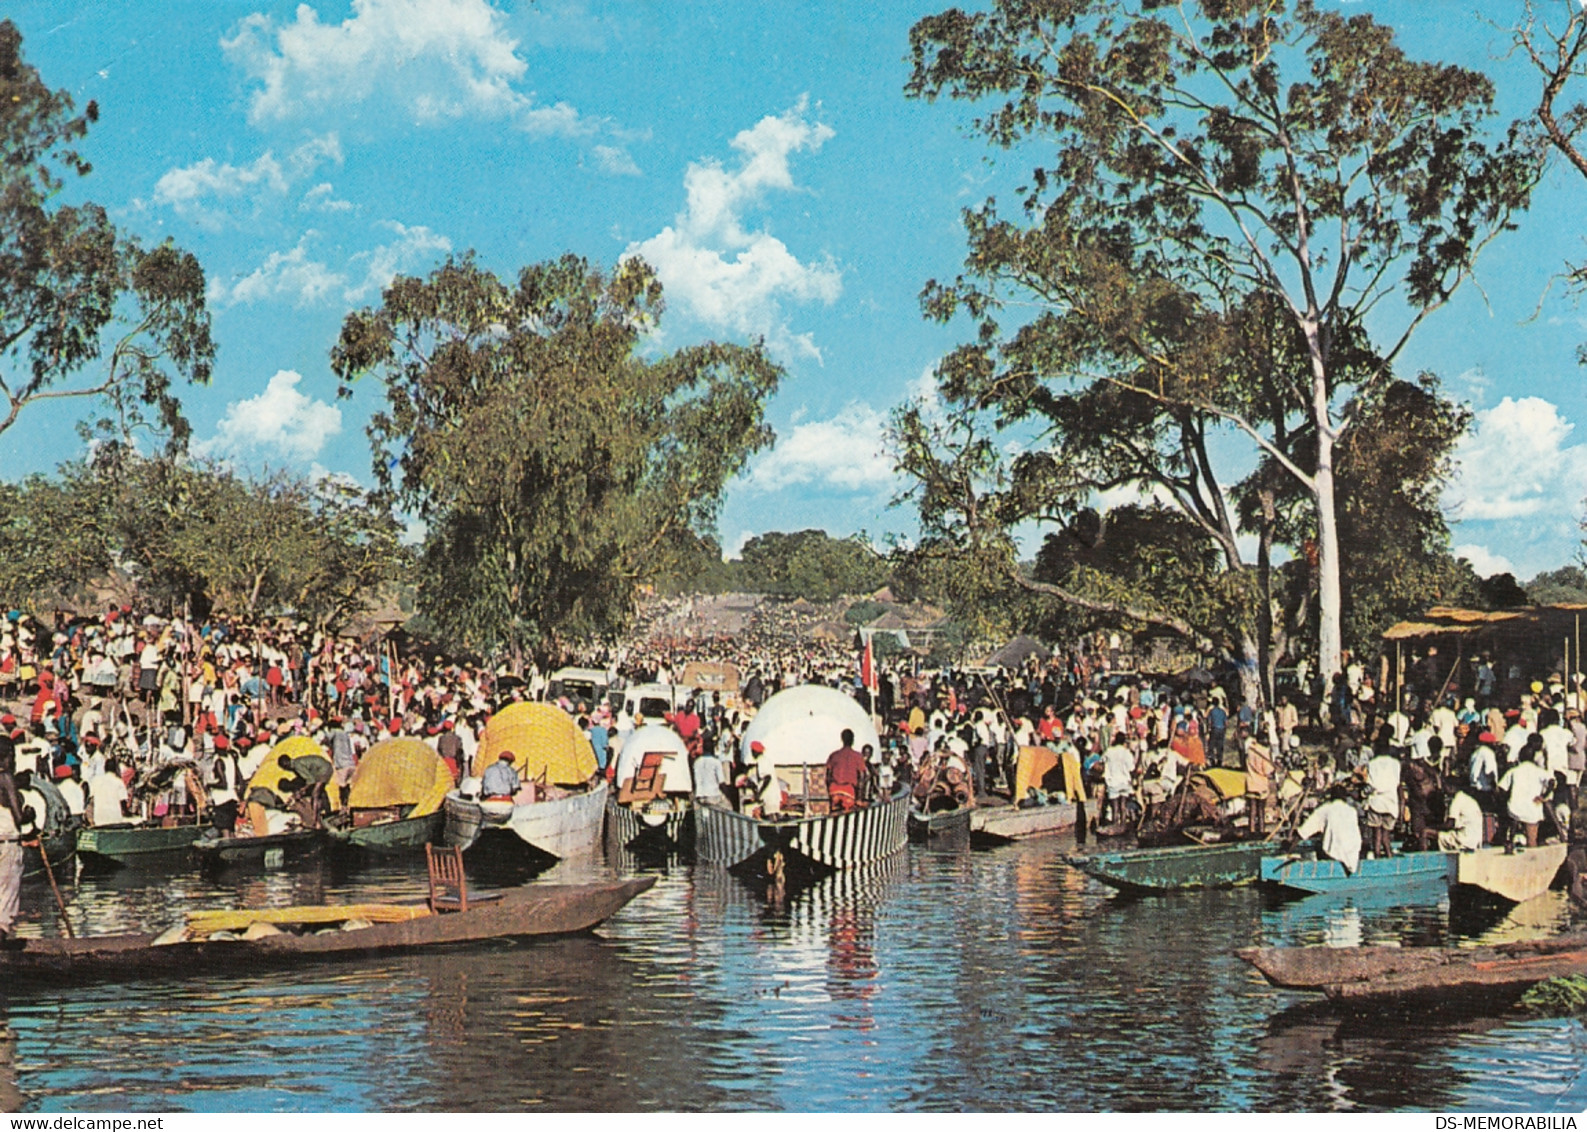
[763,157]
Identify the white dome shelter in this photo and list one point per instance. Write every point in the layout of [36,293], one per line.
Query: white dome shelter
[801,726]
[674,774]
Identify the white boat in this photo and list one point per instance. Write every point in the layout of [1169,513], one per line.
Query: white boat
[561,827]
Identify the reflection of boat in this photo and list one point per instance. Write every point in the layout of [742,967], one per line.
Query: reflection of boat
[108,847]
[533,910]
[1434,973]
[273,851]
[941,829]
[1010,823]
[664,826]
[1513,877]
[1410,875]
[1177,867]
[394,800]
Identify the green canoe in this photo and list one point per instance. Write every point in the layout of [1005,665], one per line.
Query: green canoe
[108,847]
[402,836]
[1178,867]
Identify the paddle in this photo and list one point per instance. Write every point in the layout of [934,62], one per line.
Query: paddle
[49,871]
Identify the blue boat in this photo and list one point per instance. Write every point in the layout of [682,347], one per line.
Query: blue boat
[1412,873]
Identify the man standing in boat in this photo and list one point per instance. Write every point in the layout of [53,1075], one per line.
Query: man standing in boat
[11,823]
[847,773]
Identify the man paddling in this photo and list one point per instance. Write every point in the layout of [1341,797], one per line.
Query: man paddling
[11,823]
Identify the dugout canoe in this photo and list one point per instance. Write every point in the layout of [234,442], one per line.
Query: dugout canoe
[388,838]
[812,846]
[998,824]
[1493,874]
[1435,974]
[272,852]
[61,850]
[533,910]
[942,829]
[1177,868]
[106,848]
[1417,877]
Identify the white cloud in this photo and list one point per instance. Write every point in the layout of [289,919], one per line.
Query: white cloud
[1517,463]
[193,191]
[1484,561]
[732,277]
[291,275]
[322,198]
[848,453]
[413,249]
[429,60]
[281,421]
[616,160]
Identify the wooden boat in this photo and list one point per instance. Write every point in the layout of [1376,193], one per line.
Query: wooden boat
[1412,875]
[1511,877]
[663,827]
[271,852]
[62,852]
[533,910]
[1004,823]
[810,845]
[400,835]
[1177,868]
[562,827]
[1436,974]
[942,829]
[106,848]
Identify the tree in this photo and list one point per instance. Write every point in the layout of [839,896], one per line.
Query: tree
[556,461]
[85,311]
[1568,584]
[812,564]
[1196,186]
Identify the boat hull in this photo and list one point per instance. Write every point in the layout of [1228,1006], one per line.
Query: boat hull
[1493,874]
[62,852]
[1413,874]
[1177,868]
[561,828]
[110,847]
[1010,823]
[533,910]
[273,852]
[407,835]
[670,832]
[945,829]
[825,842]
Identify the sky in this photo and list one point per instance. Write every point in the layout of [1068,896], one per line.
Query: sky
[763,157]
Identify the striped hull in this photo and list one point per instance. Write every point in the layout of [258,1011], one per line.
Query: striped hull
[831,841]
[671,831]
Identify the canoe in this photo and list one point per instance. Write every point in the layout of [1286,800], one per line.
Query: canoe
[405,835]
[562,827]
[944,829]
[533,910]
[666,829]
[1010,823]
[1512,877]
[1436,974]
[62,852]
[273,852]
[1178,867]
[813,845]
[105,848]
[1425,875]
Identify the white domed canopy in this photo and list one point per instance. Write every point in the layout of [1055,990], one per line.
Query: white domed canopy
[674,774]
[802,726]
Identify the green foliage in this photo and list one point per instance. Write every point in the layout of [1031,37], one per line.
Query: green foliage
[863,612]
[812,564]
[1557,998]
[699,568]
[556,462]
[85,311]
[1566,585]
[1502,591]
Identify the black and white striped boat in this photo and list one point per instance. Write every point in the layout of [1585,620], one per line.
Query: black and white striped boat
[820,843]
[668,827]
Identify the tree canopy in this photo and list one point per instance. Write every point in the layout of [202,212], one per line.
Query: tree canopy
[85,311]
[555,459]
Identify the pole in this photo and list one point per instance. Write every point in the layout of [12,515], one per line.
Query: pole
[49,871]
[1399,677]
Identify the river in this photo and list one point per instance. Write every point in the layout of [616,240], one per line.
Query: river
[989,980]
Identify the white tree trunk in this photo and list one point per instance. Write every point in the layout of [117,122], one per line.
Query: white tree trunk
[1329,602]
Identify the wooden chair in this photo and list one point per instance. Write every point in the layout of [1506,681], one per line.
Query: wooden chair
[448,886]
[645,785]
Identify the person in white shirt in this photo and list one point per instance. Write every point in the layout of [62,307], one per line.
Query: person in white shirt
[1525,785]
[1556,745]
[1336,820]
[1118,775]
[1443,721]
[1465,819]
[1383,803]
[107,796]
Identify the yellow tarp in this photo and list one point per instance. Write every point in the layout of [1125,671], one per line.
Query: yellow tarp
[544,742]
[236,920]
[270,774]
[1228,783]
[400,772]
[1035,763]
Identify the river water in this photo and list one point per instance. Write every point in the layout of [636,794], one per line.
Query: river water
[988,980]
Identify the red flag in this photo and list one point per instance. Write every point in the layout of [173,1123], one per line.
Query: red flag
[868,667]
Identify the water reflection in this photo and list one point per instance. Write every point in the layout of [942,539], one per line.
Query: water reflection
[935,981]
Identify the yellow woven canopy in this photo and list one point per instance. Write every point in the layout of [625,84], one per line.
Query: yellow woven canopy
[270,774]
[400,772]
[544,742]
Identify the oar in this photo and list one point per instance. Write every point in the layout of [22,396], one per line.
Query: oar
[49,871]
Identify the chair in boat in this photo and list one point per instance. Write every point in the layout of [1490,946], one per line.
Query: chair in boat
[448,886]
[646,783]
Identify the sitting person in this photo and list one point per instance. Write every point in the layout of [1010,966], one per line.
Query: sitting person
[1340,827]
[1465,821]
[500,780]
